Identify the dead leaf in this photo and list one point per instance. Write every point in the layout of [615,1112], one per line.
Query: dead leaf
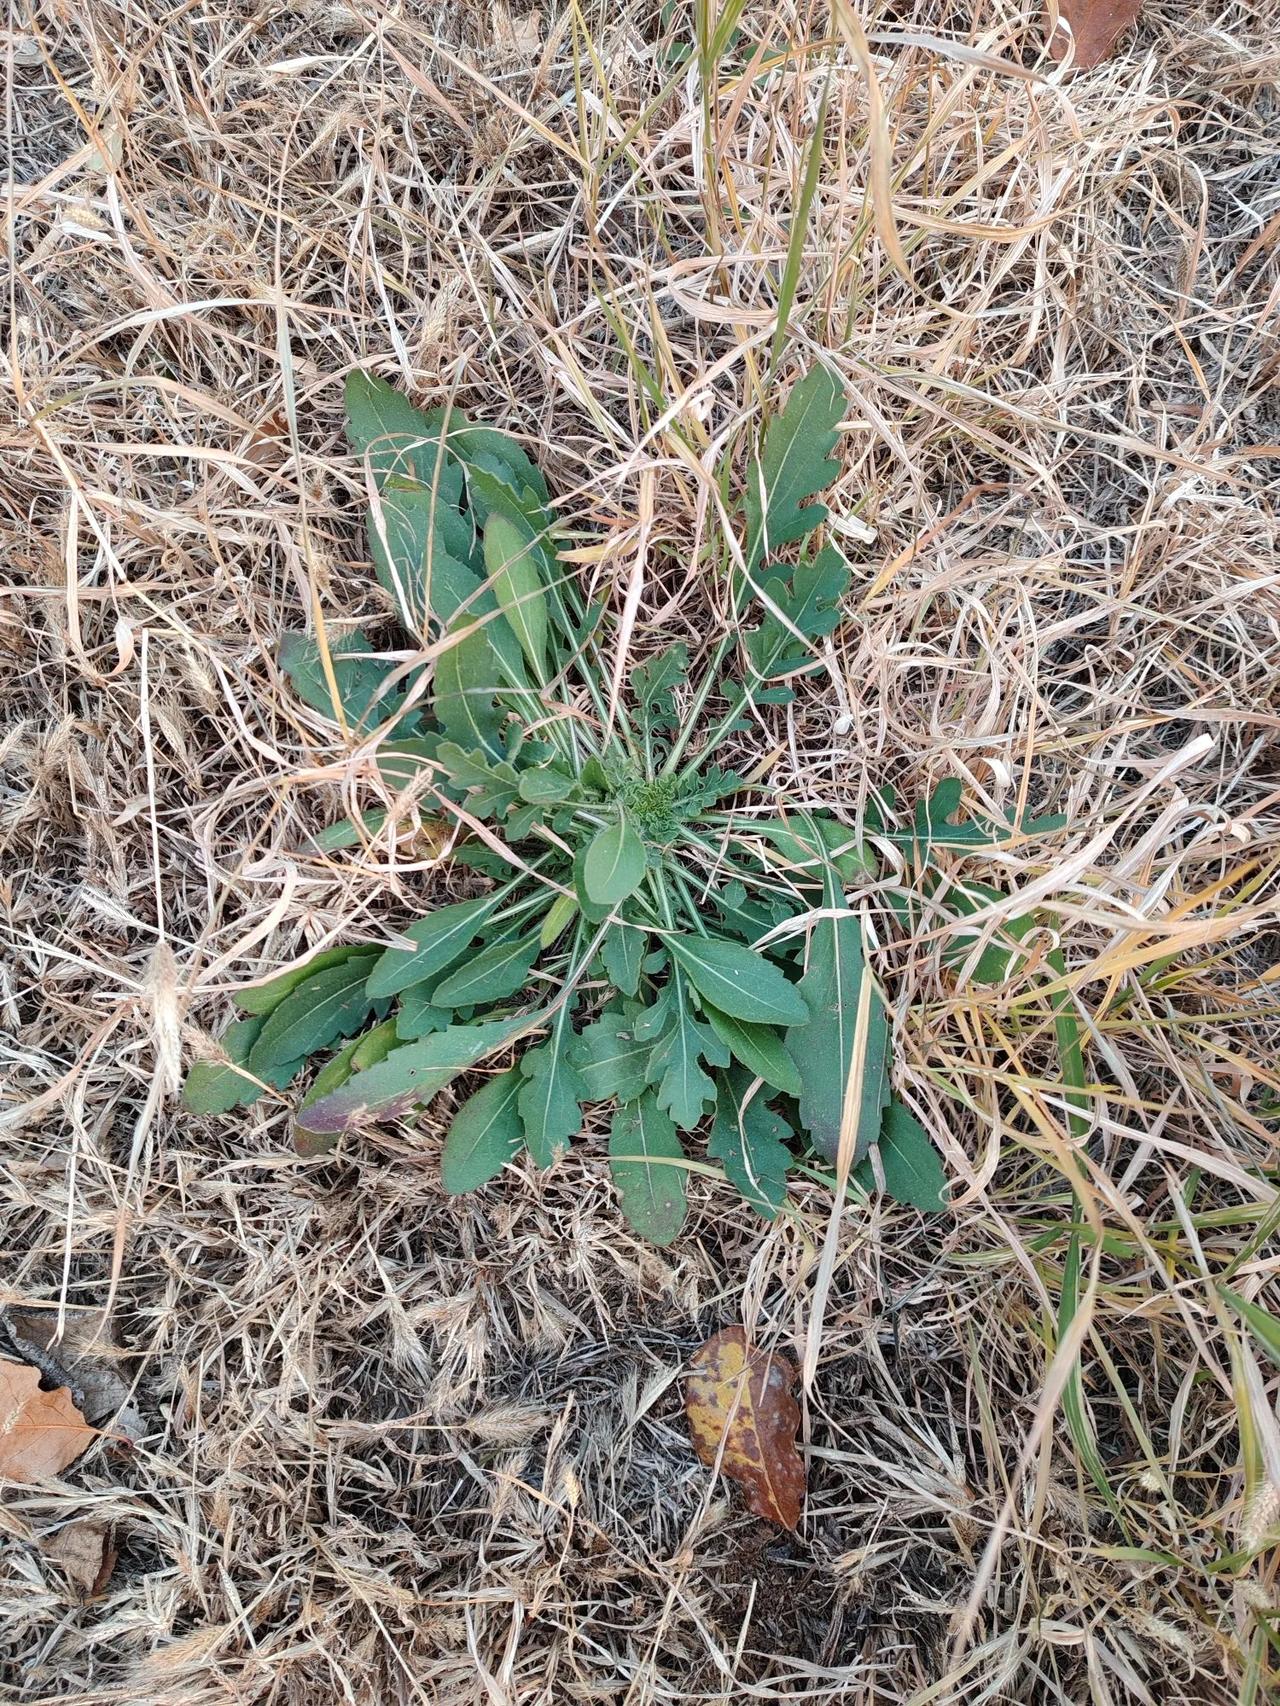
[1094,27]
[84,1553]
[521,38]
[85,1358]
[743,1420]
[309,1144]
[40,1432]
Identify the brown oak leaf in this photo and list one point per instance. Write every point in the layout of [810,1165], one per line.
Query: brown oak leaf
[40,1432]
[84,1552]
[1094,26]
[743,1420]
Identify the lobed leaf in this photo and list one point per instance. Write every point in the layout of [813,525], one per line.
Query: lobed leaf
[360,677]
[749,1140]
[491,786]
[799,609]
[683,1088]
[611,1060]
[797,463]
[552,1093]
[910,1163]
[385,428]
[654,685]
[417,1017]
[644,1158]
[622,952]
[420,545]
[933,827]
[471,673]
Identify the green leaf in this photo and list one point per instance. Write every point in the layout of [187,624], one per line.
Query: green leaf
[484,1135]
[615,863]
[492,975]
[562,909]
[737,980]
[749,1140]
[499,470]
[439,941]
[810,845]
[491,785]
[611,1060]
[593,776]
[1001,955]
[911,1165]
[758,1047]
[513,572]
[384,426]
[796,465]
[933,826]
[642,1147]
[325,1007]
[747,919]
[417,1017]
[654,1021]
[350,832]
[333,1073]
[374,1045]
[361,678]
[553,1092]
[623,954]
[399,765]
[1263,1324]
[264,998]
[217,1086]
[414,534]
[590,911]
[413,1074]
[683,1088]
[654,684]
[469,675]
[800,609]
[545,787]
[833,985]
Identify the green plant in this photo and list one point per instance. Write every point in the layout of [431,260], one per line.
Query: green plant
[636,938]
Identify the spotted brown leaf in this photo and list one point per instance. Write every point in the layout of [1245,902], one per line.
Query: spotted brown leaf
[743,1420]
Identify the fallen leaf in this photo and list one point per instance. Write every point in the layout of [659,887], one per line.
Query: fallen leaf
[84,1553]
[519,37]
[85,1358]
[1094,26]
[40,1432]
[743,1420]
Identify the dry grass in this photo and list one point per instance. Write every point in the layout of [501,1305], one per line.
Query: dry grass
[402,1449]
